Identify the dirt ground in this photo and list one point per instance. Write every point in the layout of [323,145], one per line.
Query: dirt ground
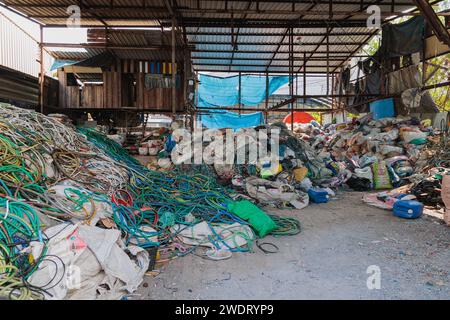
[327,260]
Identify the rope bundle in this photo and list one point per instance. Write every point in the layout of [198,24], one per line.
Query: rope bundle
[38,154]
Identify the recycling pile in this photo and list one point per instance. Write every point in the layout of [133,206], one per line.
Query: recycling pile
[78,215]
[364,155]
[390,153]
[278,180]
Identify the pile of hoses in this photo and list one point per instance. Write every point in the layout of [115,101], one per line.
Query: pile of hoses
[171,197]
[38,155]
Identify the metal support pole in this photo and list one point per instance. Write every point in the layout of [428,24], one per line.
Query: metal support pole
[424,61]
[291,73]
[174,70]
[333,99]
[304,76]
[196,84]
[185,77]
[328,61]
[330,15]
[266,114]
[240,94]
[42,71]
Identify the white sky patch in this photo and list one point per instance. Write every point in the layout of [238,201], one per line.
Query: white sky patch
[54,35]
[65,35]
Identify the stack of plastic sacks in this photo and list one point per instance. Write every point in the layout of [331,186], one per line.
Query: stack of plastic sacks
[377,154]
[401,154]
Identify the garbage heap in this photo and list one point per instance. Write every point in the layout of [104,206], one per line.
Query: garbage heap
[363,155]
[389,153]
[81,219]
[281,179]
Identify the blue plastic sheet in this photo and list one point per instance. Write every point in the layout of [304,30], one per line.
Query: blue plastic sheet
[226,119]
[224,92]
[62,63]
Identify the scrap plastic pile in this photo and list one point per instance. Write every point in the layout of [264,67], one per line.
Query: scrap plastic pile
[363,154]
[78,214]
[276,179]
[389,153]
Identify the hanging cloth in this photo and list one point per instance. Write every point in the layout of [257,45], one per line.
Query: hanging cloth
[403,38]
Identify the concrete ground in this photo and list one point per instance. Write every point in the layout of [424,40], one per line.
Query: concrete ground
[327,260]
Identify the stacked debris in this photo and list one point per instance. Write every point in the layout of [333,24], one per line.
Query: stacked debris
[278,177]
[380,154]
[401,154]
[79,216]
[313,161]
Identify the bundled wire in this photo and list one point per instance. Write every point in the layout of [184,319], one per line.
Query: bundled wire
[40,156]
[172,197]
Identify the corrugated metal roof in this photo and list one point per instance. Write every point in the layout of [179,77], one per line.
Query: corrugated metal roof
[220,55]
[121,39]
[18,50]
[210,25]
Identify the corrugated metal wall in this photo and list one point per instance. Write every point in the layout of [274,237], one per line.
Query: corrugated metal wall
[18,51]
[20,67]
[18,89]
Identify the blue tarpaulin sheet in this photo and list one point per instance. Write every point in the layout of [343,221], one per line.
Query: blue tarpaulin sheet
[62,63]
[226,119]
[224,92]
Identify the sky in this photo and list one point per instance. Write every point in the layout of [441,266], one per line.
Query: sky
[61,35]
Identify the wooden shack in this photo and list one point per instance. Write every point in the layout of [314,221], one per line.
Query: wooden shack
[123,76]
[120,86]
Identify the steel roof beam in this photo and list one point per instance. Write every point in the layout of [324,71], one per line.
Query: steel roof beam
[354,2]
[270,23]
[247,65]
[332,58]
[275,34]
[433,20]
[286,33]
[272,43]
[375,32]
[163,12]
[234,40]
[269,51]
[364,6]
[263,72]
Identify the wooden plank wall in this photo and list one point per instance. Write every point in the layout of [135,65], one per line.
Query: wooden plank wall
[92,96]
[117,92]
[73,96]
[62,80]
[51,90]
[112,89]
[18,88]
[69,96]
[156,98]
